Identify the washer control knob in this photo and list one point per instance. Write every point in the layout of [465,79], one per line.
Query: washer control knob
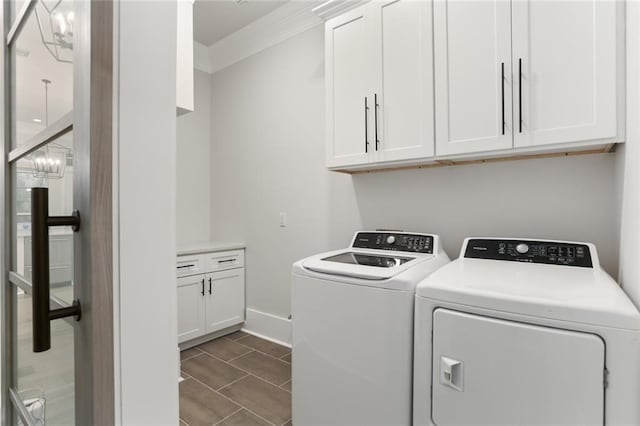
[522,248]
[391,239]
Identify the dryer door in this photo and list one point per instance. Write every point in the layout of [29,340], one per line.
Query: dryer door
[496,372]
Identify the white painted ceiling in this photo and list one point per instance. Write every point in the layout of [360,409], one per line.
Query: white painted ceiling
[215,19]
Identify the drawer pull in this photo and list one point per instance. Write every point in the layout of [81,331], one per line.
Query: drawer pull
[186,266]
[226,260]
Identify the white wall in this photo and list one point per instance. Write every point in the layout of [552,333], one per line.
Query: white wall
[267,126]
[630,160]
[145,212]
[193,173]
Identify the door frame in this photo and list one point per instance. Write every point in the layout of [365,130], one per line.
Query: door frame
[93,123]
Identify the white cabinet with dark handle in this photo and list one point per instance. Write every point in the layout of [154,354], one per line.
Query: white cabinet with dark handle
[210,293]
[412,83]
[379,81]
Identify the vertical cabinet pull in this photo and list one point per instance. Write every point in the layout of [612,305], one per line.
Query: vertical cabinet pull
[210,285]
[40,292]
[366,125]
[502,96]
[375,98]
[520,93]
[202,291]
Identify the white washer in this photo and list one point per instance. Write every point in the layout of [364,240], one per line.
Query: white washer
[352,320]
[525,332]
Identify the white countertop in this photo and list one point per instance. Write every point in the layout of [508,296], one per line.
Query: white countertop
[209,247]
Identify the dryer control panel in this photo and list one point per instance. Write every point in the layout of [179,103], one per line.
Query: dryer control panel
[531,251]
[394,241]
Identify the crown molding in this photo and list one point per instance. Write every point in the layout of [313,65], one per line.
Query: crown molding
[291,19]
[332,8]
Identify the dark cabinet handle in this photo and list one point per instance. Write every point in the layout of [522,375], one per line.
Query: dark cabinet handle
[185,266]
[502,95]
[366,125]
[42,313]
[226,260]
[210,285]
[520,92]
[375,100]
[202,287]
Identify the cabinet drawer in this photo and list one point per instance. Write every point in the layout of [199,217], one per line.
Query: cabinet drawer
[190,265]
[224,260]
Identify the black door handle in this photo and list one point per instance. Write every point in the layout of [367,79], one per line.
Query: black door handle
[520,92]
[202,291]
[42,313]
[502,95]
[209,285]
[366,125]
[375,115]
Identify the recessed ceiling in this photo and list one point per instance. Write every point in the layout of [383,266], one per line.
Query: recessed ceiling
[213,20]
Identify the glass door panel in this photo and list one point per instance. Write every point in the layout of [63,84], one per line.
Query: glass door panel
[42,98]
[45,380]
[60,184]
[43,69]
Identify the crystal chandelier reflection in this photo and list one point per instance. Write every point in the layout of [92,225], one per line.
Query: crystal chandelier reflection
[56,28]
[50,161]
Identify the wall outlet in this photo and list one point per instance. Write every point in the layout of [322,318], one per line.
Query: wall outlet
[283,219]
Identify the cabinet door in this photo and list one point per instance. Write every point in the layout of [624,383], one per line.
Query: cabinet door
[190,307]
[225,301]
[472,48]
[564,56]
[349,96]
[403,76]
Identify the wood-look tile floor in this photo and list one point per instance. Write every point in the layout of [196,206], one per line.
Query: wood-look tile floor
[236,380]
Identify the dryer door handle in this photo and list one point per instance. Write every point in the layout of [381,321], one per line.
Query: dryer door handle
[452,373]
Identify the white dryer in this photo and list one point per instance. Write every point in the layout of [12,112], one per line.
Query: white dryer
[524,332]
[352,323]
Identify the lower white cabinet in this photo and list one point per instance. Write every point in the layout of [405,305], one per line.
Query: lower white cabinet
[224,304]
[210,301]
[191,321]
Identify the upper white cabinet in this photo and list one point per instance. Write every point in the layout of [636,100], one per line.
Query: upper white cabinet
[557,60]
[184,62]
[420,82]
[472,46]
[379,83]
[402,79]
[349,95]
[566,71]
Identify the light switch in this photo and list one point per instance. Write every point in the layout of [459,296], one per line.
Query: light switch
[283,219]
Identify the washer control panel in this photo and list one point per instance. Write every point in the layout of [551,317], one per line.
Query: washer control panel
[394,241]
[551,253]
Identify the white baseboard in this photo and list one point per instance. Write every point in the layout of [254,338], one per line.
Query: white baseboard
[268,326]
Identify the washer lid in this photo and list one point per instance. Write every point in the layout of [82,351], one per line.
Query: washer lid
[370,265]
[584,295]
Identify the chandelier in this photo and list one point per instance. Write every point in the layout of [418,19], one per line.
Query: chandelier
[50,161]
[56,28]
